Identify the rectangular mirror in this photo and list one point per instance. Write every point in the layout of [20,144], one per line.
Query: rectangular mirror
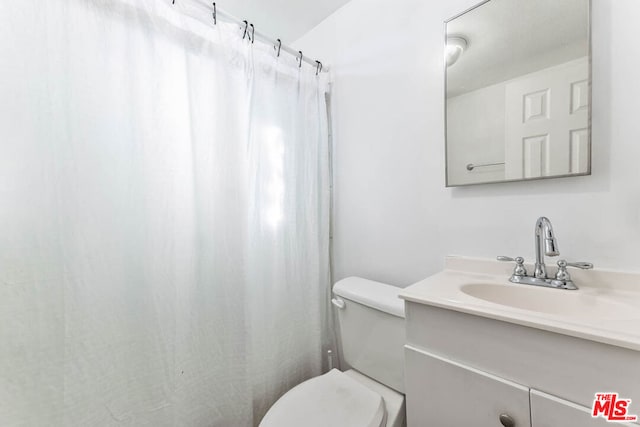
[518,91]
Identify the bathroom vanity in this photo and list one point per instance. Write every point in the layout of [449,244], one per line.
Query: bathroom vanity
[481,351]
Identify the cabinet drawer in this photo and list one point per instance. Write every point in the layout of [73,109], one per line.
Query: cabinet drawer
[441,393]
[551,411]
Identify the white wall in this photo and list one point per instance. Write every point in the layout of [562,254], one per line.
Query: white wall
[475,134]
[395,220]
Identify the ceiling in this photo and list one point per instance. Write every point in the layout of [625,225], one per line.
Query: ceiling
[509,38]
[285,19]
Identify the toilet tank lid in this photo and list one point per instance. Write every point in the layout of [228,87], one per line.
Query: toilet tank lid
[379,296]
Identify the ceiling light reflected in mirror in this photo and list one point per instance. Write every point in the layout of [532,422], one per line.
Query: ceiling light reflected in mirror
[456,46]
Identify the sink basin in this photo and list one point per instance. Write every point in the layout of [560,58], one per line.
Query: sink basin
[551,301]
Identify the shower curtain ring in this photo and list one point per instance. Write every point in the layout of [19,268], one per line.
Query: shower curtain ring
[278,48]
[246,25]
[215,14]
[300,59]
[253,33]
[318,67]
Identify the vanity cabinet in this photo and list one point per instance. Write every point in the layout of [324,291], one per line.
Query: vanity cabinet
[464,370]
[478,347]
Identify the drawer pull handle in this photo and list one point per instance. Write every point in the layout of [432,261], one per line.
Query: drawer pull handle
[507,421]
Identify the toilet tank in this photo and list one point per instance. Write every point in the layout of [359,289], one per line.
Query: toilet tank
[372,330]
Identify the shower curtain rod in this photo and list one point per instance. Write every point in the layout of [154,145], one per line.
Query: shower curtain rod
[252,33]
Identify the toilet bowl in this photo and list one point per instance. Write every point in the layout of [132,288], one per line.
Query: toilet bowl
[371,326]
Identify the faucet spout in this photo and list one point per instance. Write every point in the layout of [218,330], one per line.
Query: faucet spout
[544,236]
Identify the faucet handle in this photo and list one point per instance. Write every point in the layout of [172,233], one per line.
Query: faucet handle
[519,270]
[563,274]
[582,265]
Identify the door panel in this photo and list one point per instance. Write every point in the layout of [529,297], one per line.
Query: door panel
[546,122]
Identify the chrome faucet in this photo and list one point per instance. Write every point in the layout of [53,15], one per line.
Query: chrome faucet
[544,237]
[544,230]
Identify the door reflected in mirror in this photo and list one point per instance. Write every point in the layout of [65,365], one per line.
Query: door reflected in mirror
[518,91]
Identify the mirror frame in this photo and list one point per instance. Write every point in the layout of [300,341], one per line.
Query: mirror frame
[589,113]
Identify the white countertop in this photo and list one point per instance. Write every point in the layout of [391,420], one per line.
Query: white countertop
[605,309]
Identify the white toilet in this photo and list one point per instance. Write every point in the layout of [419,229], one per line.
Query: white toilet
[372,332]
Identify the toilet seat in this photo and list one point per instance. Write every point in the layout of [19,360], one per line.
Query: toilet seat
[333,399]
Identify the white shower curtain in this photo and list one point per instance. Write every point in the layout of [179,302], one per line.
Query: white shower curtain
[164,204]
